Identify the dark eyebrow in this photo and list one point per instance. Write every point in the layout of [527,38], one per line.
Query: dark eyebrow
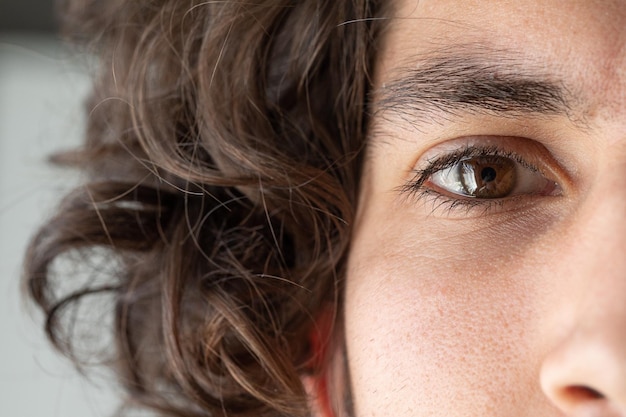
[454,83]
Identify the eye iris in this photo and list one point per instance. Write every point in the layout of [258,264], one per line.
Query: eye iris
[488,176]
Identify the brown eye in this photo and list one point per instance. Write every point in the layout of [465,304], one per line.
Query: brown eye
[491,177]
[488,176]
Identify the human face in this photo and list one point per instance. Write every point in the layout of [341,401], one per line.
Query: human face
[487,275]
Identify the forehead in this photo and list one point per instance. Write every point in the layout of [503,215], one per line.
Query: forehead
[581,42]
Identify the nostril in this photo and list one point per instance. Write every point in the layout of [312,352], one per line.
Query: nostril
[581,393]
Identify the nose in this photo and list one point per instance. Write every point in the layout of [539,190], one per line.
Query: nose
[584,374]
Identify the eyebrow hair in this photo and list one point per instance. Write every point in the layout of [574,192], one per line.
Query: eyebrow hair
[455,83]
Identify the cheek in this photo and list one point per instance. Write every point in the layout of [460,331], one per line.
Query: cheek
[439,325]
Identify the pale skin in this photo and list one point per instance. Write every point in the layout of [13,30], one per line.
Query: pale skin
[514,306]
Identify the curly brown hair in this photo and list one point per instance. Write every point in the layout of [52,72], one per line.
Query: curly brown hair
[223,155]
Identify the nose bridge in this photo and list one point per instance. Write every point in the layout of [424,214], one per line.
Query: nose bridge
[598,230]
[598,260]
[597,256]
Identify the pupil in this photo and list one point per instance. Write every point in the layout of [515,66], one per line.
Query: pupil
[488,174]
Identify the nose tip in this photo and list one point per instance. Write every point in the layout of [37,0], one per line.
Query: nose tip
[586,377]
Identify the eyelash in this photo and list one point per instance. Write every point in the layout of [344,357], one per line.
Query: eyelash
[417,189]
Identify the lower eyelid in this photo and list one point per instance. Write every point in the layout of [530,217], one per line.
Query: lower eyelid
[440,204]
[454,208]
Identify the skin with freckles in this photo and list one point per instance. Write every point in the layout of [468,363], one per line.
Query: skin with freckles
[458,305]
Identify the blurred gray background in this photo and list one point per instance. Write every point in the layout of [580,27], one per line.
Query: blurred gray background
[42,85]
